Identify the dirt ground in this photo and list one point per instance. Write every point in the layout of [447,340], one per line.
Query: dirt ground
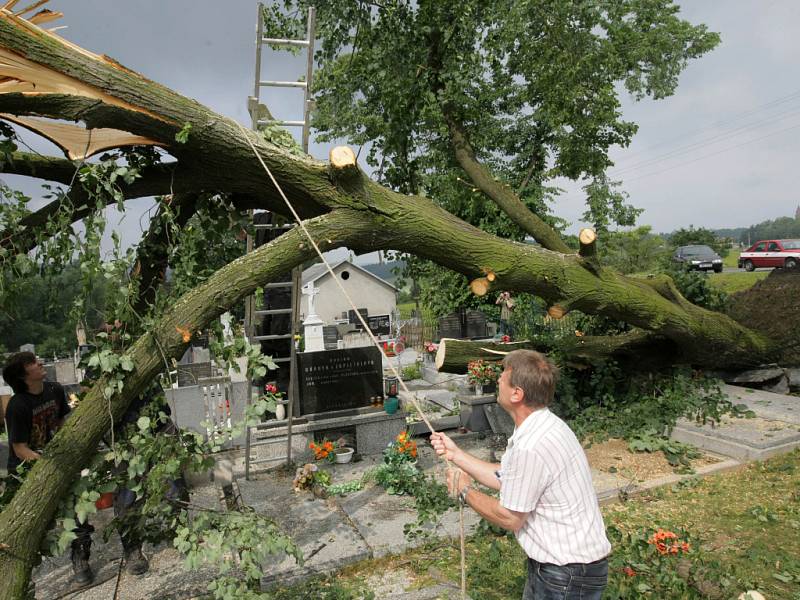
[613,456]
[772,306]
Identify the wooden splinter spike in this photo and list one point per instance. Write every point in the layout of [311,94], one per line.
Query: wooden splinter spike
[31,7]
[587,237]
[479,286]
[556,311]
[45,16]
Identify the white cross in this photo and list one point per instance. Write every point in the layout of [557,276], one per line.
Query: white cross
[310,291]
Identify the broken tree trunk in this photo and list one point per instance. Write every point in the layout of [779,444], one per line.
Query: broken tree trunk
[103,94]
[638,350]
[24,521]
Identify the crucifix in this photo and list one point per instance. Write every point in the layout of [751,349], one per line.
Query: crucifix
[310,291]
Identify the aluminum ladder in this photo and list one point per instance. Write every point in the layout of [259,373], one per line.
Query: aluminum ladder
[260,435]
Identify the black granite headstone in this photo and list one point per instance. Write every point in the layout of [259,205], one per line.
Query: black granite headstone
[450,326]
[339,379]
[476,324]
[353,319]
[379,324]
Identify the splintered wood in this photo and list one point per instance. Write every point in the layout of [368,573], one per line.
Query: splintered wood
[21,75]
[77,142]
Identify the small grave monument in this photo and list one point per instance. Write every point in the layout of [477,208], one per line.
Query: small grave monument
[312,326]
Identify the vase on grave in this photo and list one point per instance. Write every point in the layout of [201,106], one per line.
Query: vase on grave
[391,404]
[479,389]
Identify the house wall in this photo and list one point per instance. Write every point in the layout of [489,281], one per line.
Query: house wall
[364,289]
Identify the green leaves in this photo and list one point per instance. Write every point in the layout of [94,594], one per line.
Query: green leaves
[183,135]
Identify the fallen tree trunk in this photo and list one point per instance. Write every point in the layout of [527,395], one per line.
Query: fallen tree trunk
[24,521]
[218,151]
[453,355]
[638,350]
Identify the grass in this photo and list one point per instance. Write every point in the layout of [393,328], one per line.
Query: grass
[732,260]
[744,528]
[731,283]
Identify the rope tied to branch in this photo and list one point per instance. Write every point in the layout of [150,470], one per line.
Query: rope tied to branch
[414,400]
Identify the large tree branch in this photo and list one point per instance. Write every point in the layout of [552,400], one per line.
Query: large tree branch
[25,519]
[155,180]
[637,350]
[501,194]
[222,150]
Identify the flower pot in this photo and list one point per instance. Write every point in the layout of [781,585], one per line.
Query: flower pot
[479,389]
[106,500]
[343,455]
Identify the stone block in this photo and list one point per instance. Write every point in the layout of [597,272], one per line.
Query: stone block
[757,375]
[778,386]
[793,375]
[499,420]
[372,437]
[472,414]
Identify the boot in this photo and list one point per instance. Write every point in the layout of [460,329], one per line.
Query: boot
[82,572]
[135,561]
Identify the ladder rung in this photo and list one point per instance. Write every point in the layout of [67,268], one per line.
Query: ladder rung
[264,338]
[273,311]
[282,42]
[269,83]
[276,284]
[268,226]
[279,122]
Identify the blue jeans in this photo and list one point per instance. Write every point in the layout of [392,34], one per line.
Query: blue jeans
[575,581]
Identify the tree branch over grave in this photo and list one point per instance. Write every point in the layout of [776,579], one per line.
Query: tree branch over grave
[25,519]
[500,193]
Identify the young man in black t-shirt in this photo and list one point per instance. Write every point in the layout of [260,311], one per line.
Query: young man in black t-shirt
[35,411]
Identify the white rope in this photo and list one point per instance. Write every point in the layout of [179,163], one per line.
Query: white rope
[414,400]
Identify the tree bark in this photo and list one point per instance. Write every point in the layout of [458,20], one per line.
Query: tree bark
[636,350]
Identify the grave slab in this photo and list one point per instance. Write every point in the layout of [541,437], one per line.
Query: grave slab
[321,530]
[775,430]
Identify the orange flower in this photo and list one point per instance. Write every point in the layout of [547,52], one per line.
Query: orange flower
[629,572]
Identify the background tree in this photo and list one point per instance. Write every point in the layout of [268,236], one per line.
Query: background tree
[700,236]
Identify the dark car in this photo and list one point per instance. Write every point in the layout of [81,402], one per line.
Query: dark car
[701,258]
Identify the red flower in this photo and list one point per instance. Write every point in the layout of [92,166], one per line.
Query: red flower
[629,572]
[271,389]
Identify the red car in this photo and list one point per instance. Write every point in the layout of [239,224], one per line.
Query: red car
[771,253]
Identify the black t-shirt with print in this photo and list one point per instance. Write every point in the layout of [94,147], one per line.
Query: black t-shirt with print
[33,419]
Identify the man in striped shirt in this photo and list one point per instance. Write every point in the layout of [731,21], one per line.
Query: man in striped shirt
[546,493]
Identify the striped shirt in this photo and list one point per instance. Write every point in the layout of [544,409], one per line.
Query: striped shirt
[544,472]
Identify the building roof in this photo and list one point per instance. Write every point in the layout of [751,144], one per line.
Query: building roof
[318,271]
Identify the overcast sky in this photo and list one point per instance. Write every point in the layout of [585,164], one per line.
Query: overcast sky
[722,152]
